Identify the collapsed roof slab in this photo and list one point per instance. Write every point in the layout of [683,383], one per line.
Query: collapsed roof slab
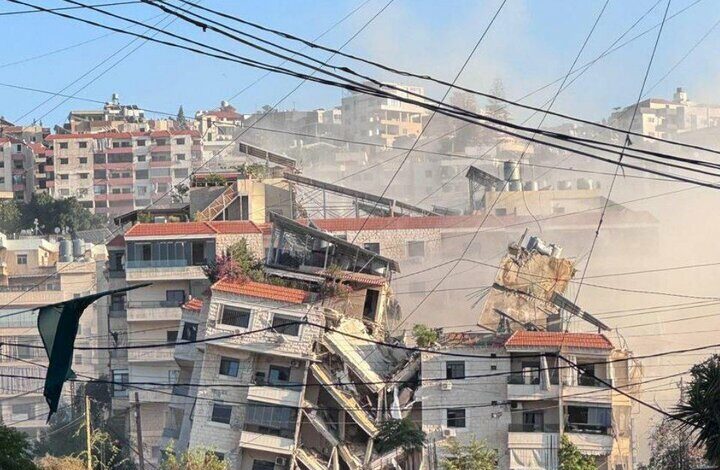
[345,400]
[524,288]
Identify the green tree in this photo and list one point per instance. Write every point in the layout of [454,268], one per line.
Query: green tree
[9,217]
[672,448]
[472,456]
[402,434]
[193,459]
[180,119]
[697,411]
[571,458]
[246,261]
[15,450]
[62,213]
[213,179]
[424,336]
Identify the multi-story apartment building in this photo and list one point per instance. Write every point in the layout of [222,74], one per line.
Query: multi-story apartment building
[218,128]
[22,168]
[36,272]
[666,118]
[115,172]
[172,257]
[273,395]
[517,396]
[381,120]
[111,116]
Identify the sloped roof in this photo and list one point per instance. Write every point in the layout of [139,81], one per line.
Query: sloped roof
[260,290]
[192,228]
[193,304]
[556,339]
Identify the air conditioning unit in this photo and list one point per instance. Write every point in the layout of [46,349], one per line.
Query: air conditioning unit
[281,461]
[513,404]
[447,432]
[294,363]
[446,385]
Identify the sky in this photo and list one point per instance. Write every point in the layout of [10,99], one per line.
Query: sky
[530,44]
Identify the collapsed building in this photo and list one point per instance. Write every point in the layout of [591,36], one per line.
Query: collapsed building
[525,380]
[308,338]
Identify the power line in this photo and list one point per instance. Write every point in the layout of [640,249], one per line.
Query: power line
[23,12]
[625,145]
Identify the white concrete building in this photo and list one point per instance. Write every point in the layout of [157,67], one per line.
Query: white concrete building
[516,395]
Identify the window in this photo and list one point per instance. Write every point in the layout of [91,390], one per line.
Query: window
[279,375]
[84,176]
[120,377]
[280,325]
[22,259]
[160,142]
[235,317]
[141,174]
[64,192]
[456,417]
[141,158]
[141,143]
[100,174]
[63,161]
[175,297]
[455,370]
[180,141]
[221,413]
[23,412]
[83,160]
[229,366]
[374,247]
[180,173]
[171,336]
[63,145]
[179,157]
[416,248]
[263,465]
[501,211]
[82,145]
[190,331]
[64,177]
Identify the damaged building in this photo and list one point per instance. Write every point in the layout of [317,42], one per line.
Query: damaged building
[308,339]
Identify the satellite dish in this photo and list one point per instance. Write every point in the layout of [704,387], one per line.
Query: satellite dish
[57,230]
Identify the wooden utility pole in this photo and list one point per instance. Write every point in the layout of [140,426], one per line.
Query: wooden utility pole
[88,431]
[138,426]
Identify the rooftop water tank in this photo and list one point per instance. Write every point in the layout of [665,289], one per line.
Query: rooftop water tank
[78,248]
[511,171]
[65,251]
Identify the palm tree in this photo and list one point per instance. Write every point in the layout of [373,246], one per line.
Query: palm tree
[699,409]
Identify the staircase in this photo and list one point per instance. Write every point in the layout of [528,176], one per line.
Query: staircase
[219,205]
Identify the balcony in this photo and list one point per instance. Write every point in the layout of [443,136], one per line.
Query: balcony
[153,396]
[120,196]
[524,436]
[266,442]
[32,297]
[160,149]
[162,270]
[160,310]
[528,388]
[163,354]
[277,396]
[588,390]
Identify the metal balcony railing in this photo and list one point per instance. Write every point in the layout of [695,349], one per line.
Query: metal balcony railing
[585,428]
[154,303]
[158,263]
[524,427]
[587,381]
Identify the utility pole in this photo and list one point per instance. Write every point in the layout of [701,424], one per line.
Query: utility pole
[138,426]
[88,431]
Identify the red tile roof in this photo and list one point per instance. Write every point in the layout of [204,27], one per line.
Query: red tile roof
[349,276]
[235,226]
[173,228]
[123,135]
[555,339]
[193,228]
[193,304]
[260,290]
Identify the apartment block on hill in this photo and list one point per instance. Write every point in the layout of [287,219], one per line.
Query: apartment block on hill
[35,272]
[115,172]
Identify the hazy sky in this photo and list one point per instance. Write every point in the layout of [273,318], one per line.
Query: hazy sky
[531,43]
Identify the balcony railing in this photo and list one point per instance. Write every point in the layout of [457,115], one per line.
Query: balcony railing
[158,263]
[587,381]
[154,303]
[585,428]
[522,427]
